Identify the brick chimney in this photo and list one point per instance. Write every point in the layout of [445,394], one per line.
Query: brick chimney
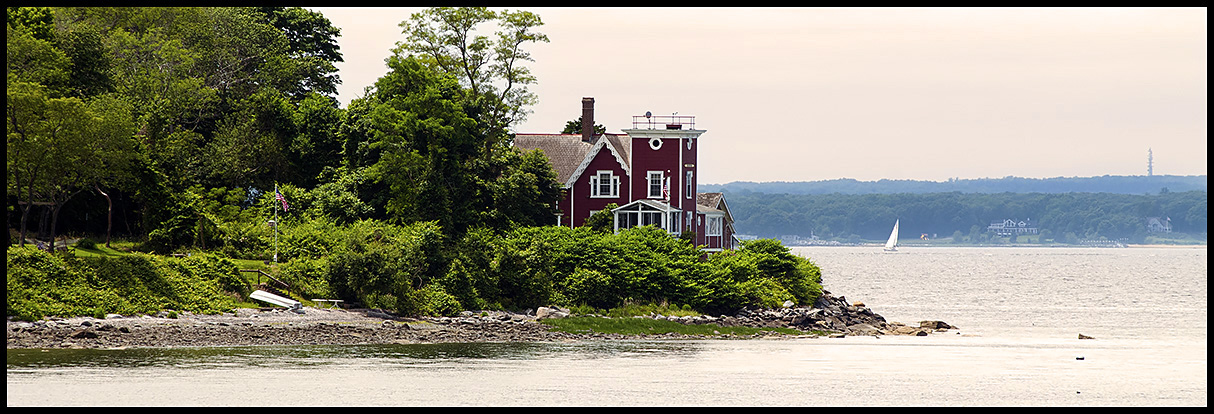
[587,119]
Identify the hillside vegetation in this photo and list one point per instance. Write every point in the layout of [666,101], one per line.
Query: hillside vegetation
[1063,218]
[1116,184]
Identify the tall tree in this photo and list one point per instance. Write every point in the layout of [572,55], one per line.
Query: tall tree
[35,60]
[312,46]
[60,146]
[494,70]
[438,161]
[425,139]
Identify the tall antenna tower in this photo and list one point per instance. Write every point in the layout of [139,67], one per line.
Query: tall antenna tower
[1150,160]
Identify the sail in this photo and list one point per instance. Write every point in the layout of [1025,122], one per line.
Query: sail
[893,238]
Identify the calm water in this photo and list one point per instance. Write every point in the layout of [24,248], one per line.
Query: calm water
[1020,311]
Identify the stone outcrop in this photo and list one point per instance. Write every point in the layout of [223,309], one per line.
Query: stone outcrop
[829,314]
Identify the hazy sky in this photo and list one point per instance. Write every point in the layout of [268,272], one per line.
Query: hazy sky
[805,94]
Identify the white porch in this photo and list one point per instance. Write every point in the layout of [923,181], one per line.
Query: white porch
[648,213]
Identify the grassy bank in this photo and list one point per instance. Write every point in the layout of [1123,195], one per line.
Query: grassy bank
[70,284]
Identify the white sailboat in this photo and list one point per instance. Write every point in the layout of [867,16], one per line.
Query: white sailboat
[892,244]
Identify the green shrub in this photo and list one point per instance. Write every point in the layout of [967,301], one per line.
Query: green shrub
[311,238]
[602,221]
[40,284]
[586,269]
[592,288]
[308,277]
[375,264]
[433,301]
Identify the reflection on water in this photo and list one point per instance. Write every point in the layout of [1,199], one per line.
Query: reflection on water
[320,355]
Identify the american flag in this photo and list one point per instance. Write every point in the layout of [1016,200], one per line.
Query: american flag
[278,196]
[666,189]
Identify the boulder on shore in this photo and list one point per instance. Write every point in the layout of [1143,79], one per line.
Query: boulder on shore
[935,325]
[828,313]
[551,313]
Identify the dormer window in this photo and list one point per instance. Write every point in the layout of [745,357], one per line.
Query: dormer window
[605,184]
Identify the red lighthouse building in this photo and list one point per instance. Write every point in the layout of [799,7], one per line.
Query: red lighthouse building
[649,171]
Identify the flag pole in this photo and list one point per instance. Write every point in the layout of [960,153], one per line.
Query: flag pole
[275,225]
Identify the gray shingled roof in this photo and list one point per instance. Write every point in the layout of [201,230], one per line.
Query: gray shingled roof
[713,202]
[566,151]
[710,200]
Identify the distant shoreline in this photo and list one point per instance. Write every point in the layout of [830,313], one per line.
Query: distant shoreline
[915,246]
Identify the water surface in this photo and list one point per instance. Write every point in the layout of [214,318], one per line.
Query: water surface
[1019,310]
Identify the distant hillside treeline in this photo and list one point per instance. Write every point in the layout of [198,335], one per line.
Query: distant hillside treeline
[1118,184]
[1069,216]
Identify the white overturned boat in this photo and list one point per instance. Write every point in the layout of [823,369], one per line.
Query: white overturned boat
[273,299]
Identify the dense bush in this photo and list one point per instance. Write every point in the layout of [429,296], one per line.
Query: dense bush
[580,267]
[372,263]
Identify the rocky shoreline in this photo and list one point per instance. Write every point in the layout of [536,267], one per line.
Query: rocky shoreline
[320,326]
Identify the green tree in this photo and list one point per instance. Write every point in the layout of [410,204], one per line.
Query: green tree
[317,141]
[524,193]
[37,21]
[493,70]
[312,48]
[575,127]
[58,147]
[35,60]
[89,73]
[429,144]
[426,140]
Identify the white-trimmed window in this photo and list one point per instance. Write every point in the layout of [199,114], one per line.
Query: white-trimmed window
[604,184]
[690,187]
[714,226]
[655,184]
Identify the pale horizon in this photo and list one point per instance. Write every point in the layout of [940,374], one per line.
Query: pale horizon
[813,94]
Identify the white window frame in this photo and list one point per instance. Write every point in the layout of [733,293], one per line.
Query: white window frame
[649,183]
[595,186]
[714,226]
[690,188]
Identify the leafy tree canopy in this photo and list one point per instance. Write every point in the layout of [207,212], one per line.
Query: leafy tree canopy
[575,127]
[446,39]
